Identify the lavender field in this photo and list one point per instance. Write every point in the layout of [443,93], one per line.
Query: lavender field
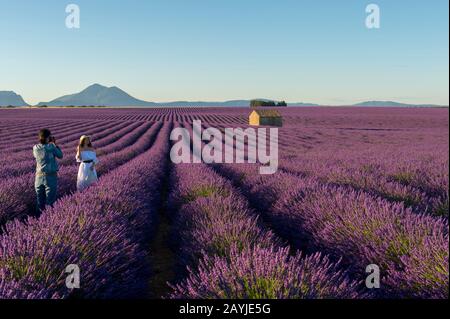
[354,187]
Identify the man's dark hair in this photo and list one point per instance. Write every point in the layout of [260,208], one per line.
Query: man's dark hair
[44,134]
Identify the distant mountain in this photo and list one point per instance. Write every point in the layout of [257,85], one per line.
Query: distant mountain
[392,104]
[98,95]
[10,98]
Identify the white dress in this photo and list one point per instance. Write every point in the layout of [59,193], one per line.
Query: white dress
[86,176]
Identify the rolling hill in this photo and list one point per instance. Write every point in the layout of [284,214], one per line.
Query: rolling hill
[97,95]
[10,98]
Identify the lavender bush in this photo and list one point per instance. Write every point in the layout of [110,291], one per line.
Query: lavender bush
[354,187]
[101,230]
[222,239]
[17,198]
[266,273]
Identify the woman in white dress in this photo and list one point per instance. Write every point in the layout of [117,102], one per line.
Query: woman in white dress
[87,158]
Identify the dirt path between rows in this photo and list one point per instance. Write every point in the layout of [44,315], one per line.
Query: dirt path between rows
[162,257]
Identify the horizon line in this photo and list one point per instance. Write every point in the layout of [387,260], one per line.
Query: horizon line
[359,101]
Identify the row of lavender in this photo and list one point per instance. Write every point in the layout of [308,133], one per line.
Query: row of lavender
[65,135]
[102,231]
[17,195]
[20,131]
[415,175]
[420,182]
[230,254]
[336,207]
[358,224]
[225,251]
[411,249]
[64,132]
[102,136]
[343,117]
[218,115]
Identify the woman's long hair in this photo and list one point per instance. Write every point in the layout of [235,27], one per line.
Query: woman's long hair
[83,144]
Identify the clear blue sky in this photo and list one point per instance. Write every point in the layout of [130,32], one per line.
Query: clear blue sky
[163,50]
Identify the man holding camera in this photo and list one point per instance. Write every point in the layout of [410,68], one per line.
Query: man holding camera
[46,182]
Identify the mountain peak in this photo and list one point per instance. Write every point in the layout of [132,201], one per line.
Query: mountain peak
[97,94]
[10,98]
[95,88]
[96,85]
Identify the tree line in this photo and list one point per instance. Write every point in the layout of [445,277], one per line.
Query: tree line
[264,103]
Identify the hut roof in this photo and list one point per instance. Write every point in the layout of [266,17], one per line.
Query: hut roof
[267,113]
